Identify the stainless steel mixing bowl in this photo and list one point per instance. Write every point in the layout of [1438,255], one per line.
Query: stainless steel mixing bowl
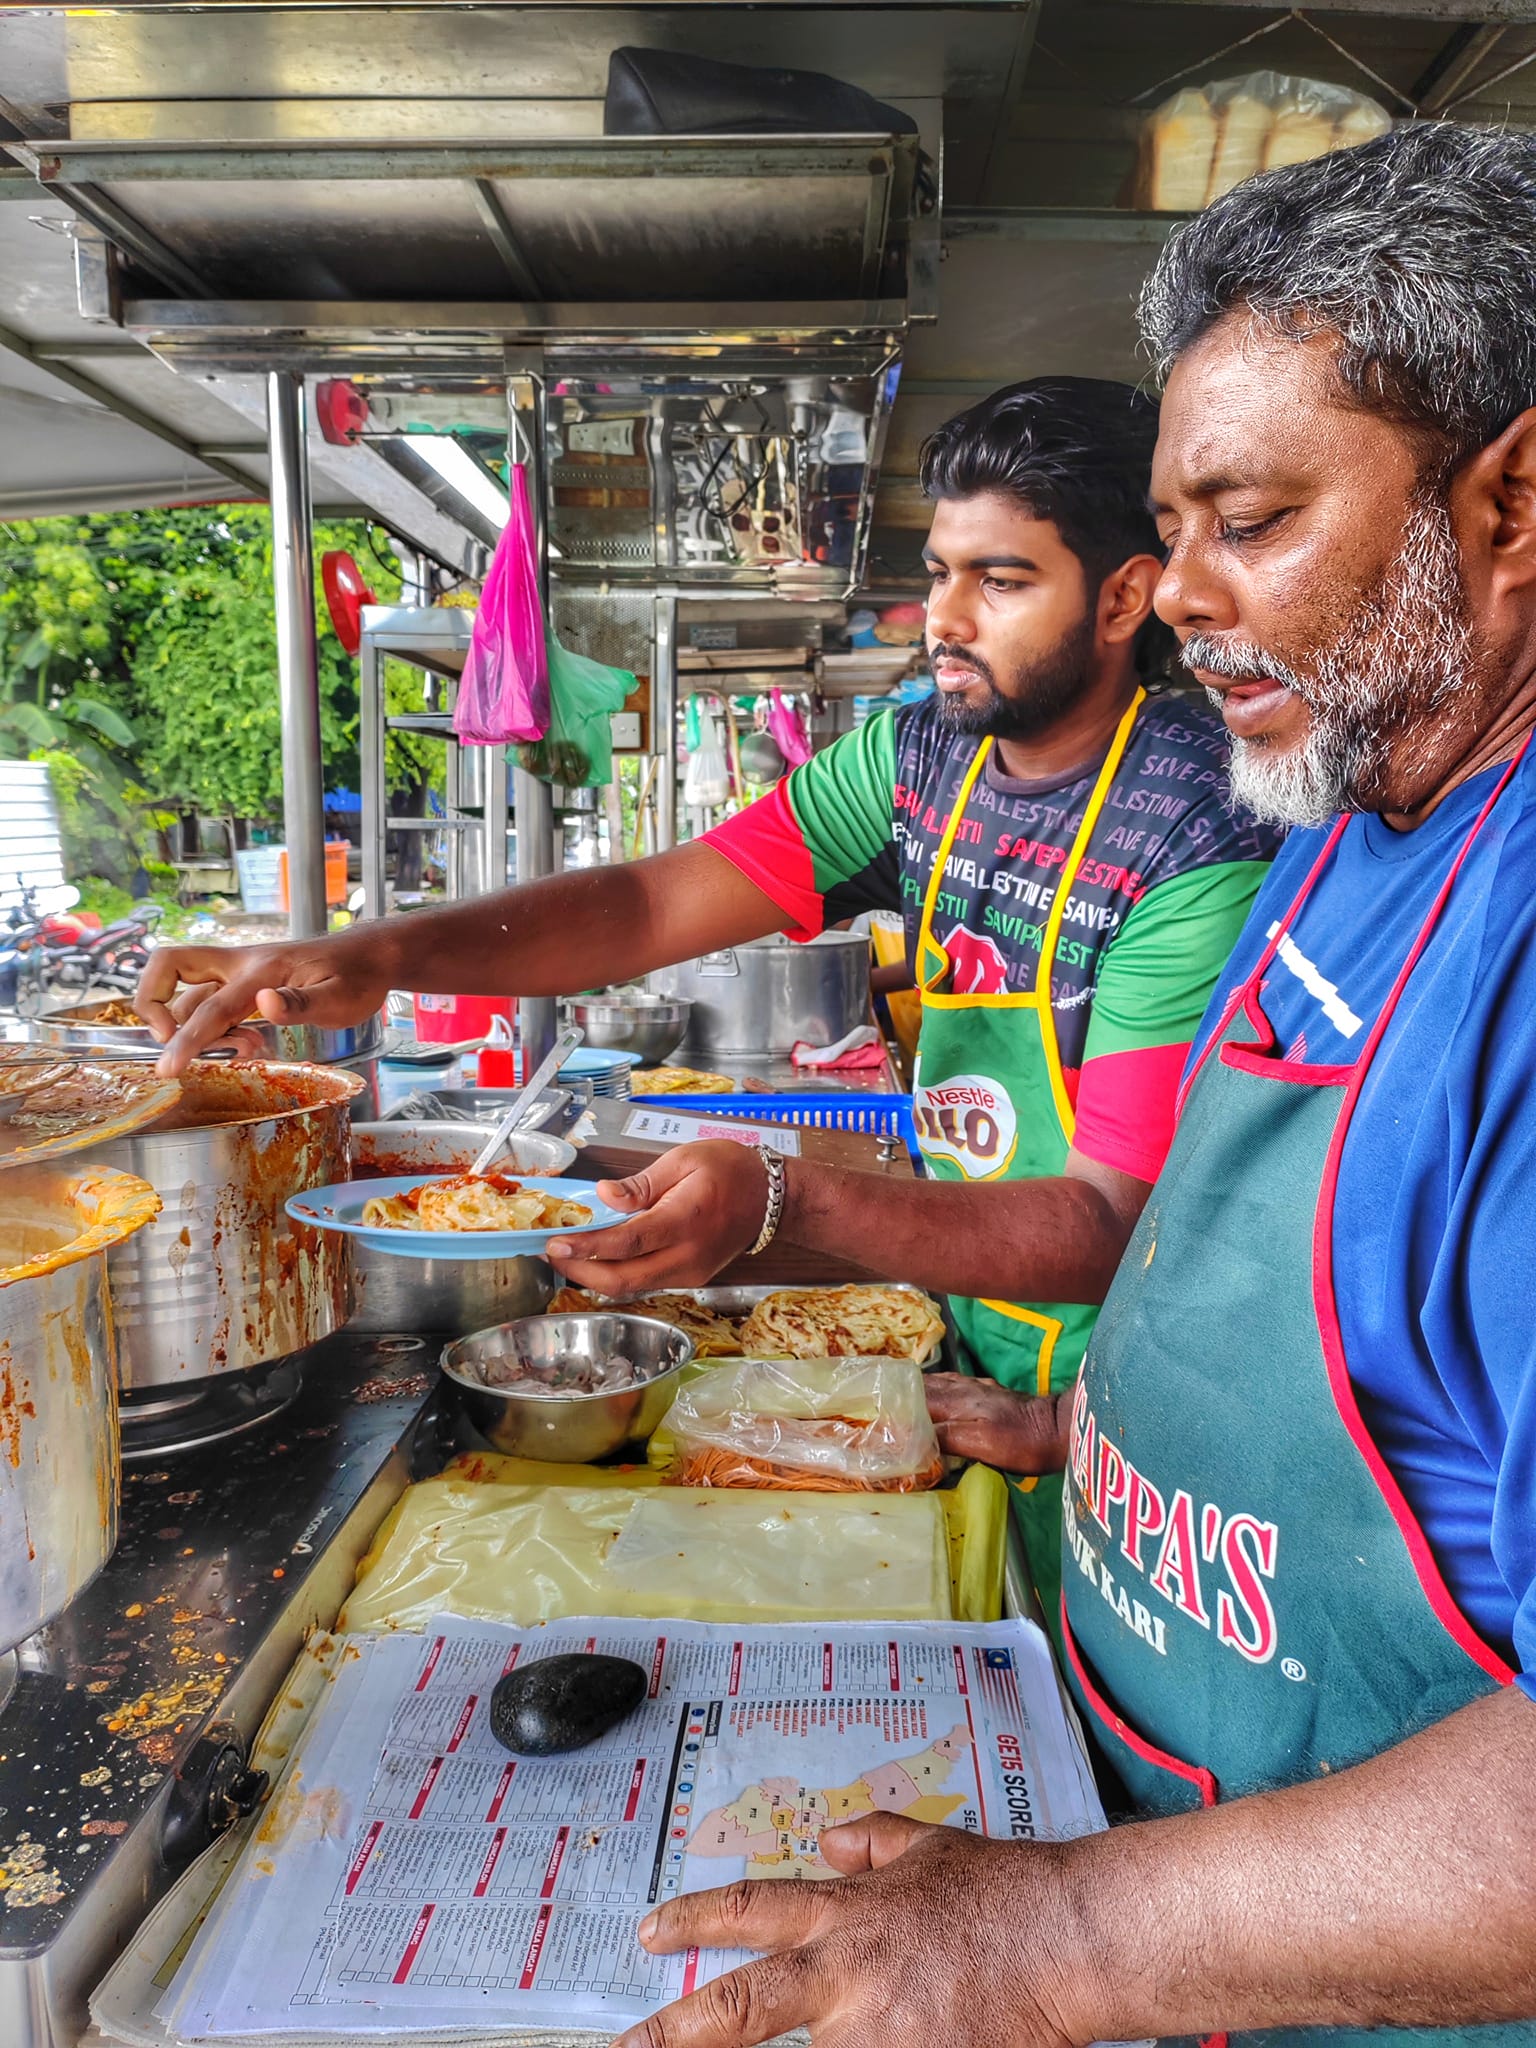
[633,1020]
[568,1428]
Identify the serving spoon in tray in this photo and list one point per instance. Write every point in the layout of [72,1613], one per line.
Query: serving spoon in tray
[523,1100]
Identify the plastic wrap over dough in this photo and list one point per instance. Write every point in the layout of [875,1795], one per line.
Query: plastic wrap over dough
[525,1554]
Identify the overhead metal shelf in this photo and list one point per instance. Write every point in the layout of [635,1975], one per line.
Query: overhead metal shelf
[700,220]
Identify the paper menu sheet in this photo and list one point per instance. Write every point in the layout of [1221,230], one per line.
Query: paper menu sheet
[670,1127]
[411,1874]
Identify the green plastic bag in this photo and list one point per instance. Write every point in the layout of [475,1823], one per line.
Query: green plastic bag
[577,750]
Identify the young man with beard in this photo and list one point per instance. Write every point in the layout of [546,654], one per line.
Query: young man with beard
[1304,1439]
[1072,877]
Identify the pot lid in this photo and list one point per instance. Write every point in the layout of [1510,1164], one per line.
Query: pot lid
[49,1106]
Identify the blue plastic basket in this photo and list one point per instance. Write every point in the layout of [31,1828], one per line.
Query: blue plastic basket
[875,1116]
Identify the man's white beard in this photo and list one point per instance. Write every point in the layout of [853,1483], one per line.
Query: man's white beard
[1407,649]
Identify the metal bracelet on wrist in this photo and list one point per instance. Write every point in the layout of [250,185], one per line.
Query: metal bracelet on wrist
[773,1166]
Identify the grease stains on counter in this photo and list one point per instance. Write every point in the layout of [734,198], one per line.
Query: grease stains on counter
[113,1694]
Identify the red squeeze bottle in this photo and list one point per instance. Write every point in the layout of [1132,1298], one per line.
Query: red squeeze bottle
[496,1066]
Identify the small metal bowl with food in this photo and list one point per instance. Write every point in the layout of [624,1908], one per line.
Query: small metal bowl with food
[461,1216]
[568,1389]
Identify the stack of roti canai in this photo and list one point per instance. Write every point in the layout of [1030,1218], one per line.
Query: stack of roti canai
[714,1336]
[854,1321]
[843,1322]
[683,1081]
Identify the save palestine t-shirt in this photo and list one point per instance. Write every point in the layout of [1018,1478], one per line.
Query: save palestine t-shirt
[1166,882]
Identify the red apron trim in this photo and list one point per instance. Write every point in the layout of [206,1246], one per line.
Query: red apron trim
[1268,1068]
[1160,1759]
[1260,1057]
[1239,997]
[1436,1591]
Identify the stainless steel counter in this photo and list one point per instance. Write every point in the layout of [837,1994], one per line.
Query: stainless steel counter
[132,1712]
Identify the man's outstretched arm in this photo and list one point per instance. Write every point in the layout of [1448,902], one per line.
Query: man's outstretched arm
[570,931]
[1055,1238]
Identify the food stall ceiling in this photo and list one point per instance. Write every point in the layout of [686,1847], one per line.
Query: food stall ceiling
[1041,107]
[143,71]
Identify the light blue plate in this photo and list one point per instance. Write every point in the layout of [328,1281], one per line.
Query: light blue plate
[341,1208]
[595,1060]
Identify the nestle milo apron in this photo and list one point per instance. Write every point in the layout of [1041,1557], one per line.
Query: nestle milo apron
[990,1103]
[1248,1601]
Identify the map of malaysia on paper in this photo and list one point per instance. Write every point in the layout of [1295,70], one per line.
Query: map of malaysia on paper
[409,1873]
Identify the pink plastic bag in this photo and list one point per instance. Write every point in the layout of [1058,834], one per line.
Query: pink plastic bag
[788,729]
[504,690]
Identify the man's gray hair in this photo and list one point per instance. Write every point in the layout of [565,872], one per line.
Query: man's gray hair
[1417,251]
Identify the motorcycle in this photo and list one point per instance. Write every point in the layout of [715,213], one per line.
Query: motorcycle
[27,928]
[108,962]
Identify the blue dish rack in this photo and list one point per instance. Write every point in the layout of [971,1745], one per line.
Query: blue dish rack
[875,1116]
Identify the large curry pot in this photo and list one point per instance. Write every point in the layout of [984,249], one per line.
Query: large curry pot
[59,1225]
[766,996]
[224,1280]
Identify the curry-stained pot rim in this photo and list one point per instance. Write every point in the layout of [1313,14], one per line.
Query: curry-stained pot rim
[333,1088]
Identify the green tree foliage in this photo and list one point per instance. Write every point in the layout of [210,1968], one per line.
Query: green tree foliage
[144,644]
[204,677]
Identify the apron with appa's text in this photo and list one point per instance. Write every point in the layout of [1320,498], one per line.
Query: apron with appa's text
[1248,1600]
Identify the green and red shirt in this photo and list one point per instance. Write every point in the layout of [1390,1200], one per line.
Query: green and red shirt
[1162,892]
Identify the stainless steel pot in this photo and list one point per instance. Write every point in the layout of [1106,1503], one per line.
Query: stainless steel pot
[58,1387]
[224,1280]
[764,996]
[451,1295]
[75,1028]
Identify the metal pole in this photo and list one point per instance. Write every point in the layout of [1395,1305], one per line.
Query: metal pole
[298,666]
[664,718]
[374,792]
[532,800]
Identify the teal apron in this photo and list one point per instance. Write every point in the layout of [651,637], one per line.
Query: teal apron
[1248,1601]
[990,1103]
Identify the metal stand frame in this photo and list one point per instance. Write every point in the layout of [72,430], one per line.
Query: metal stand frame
[437,641]
[298,660]
[538,849]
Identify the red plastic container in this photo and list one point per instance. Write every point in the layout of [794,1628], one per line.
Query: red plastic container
[450,1020]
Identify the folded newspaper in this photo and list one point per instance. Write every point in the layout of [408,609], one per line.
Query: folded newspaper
[410,1876]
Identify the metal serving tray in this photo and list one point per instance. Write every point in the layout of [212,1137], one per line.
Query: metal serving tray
[551,1110]
[73,1028]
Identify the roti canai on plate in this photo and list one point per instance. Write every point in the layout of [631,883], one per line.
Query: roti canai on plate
[470,1201]
[855,1321]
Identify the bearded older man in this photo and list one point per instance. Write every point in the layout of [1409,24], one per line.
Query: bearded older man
[1305,1431]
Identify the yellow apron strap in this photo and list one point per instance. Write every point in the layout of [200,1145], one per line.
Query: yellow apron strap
[925,939]
[1066,1115]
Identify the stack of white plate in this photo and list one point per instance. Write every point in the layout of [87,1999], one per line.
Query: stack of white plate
[596,1074]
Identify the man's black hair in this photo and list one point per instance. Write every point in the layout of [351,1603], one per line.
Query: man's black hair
[1076,451]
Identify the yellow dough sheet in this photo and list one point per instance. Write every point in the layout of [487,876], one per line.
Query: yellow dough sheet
[510,1539]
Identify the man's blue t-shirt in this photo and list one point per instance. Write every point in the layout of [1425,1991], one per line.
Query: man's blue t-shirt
[1434,1229]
